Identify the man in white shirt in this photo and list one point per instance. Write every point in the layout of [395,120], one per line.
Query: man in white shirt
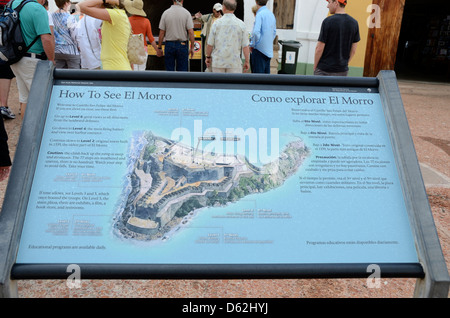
[227,40]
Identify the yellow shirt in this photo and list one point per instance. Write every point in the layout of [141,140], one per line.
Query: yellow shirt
[115,35]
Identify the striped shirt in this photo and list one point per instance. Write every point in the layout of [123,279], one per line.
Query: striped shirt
[64,28]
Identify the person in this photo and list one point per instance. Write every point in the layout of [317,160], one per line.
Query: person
[116,30]
[67,54]
[338,40]
[5,159]
[50,19]
[34,23]
[254,10]
[140,24]
[227,39]
[177,28]
[89,44]
[74,11]
[261,42]
[6,75]
[207,20]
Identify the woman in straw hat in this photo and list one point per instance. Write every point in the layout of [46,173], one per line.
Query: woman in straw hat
[140,24]
[116,31]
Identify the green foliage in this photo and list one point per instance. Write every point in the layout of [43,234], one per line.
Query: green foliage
[251,184]
[215,198]
[188,206]
[149,150]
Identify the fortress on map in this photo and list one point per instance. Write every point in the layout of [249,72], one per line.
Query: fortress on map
[170,180]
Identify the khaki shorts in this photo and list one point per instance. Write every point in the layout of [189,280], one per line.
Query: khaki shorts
[226,70]
[24,71]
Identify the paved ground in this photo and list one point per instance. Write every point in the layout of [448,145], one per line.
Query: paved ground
[428,110]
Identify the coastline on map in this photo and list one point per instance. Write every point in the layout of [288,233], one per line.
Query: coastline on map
[168,182]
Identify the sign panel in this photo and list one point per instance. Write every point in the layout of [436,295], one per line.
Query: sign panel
[138,173]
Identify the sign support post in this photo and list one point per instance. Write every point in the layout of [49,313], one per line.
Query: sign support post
[14,204]
[435,282]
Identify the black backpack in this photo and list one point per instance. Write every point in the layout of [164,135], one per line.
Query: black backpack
[12,44]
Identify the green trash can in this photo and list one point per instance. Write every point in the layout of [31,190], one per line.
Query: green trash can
[289,56]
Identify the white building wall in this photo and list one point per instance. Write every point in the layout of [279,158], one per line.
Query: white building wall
[308,18]
[52,6]
[309,15]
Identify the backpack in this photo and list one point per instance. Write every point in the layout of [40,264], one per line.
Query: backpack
[12,44]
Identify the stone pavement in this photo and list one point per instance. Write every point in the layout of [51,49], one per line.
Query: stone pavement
[428,110]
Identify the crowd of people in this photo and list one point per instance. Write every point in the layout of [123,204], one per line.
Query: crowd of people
[95,36]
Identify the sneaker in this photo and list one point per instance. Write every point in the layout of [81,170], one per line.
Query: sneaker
[7,113]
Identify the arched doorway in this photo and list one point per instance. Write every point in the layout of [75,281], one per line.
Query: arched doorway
[155,8]
[413,40]
[424,43]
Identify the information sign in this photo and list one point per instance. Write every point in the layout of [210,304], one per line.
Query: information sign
[143,174]
[161,174]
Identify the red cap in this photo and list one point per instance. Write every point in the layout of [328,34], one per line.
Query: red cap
[344,2]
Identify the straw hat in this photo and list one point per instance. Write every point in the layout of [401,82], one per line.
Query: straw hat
[135,7]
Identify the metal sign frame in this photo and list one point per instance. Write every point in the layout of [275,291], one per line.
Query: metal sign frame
[431,271]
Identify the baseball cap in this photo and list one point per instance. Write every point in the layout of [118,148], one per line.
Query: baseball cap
[217,7]
[344,2]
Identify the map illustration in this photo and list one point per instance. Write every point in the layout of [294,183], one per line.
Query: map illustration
[169,180]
